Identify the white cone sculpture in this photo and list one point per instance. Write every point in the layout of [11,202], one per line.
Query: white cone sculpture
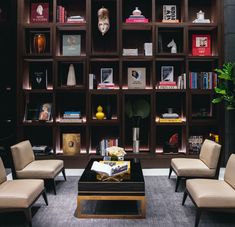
[71,79]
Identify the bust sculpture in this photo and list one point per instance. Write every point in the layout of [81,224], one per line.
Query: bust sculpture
[103,20]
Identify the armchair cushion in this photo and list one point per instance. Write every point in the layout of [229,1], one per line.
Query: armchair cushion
[229,175]
[19,193]
[191,167]
[210,152]
[22,154]
[41,169]
[3,177]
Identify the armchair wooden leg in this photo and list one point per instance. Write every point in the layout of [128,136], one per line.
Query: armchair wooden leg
[185,196]
[170,171]
[177,183]
[28,216]
[198,215]
[63,172]
[54,186]
[45,197]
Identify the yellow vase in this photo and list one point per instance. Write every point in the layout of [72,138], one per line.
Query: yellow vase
[99,115]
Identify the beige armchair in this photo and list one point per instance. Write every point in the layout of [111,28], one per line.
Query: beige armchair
[19,195]
[27,167]
[209,194]
[207,166]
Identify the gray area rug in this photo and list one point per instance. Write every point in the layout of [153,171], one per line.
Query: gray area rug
[164,209]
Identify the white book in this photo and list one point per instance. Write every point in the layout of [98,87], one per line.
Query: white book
[91,80]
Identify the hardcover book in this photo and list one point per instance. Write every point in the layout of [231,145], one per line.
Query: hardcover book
[38,76]
[136,78]
[32,112]
[39,12]
[45,112]
[201,45]
[71,45]
[71,143]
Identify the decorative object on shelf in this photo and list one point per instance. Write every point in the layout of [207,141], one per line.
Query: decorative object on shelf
[39,12]
[201,18]
[38,76]
[171,146]
[45,112]
[76,19]
[148,49]
[71,79]
[103,20]
[39,43]
[137,109]
[100,115]
[201,45]
[167,73]
[173,46]
[130,52]
[71,143]
[116,152]
[136,78]
[137,17]
[170,117]
[169,14]
[106,75]
[71,45]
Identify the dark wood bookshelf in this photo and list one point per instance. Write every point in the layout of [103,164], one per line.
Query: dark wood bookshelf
[99,51]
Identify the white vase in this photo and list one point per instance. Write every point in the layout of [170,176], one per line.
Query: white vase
[71,79]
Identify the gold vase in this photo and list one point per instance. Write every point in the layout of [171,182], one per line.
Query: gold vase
[39,43]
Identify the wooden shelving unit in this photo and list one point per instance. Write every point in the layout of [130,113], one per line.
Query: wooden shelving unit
[106,51]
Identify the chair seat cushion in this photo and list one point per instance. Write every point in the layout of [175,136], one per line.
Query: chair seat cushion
[189,167]
[41,169]
[20,193]
[209,193]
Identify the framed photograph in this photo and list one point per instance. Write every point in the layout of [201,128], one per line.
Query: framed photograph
[167,73]
[71,45]
[71,143]
[45,112]
[106,75]
[39,12]
[136,78]
[201,45]
[169,13]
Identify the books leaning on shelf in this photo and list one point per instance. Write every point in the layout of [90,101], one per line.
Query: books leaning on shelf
[195,143]
[167,85]
[61,14]
[110,168]
[105,143]
[203,80]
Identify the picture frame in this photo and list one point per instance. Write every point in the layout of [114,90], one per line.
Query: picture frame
[169,13]
[45,112]
[167,73]
[39,12]
[136,78]
[106,75]
[71,143]
[71,45]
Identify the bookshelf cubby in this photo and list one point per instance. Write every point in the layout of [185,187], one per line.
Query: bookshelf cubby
[94,51]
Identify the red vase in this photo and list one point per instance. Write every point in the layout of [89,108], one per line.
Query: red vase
[39,42]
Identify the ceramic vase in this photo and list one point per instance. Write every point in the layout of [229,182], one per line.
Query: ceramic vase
[39,43]
[71,79]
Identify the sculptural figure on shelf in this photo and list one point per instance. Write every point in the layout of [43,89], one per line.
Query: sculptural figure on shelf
[173,46]
[103,20]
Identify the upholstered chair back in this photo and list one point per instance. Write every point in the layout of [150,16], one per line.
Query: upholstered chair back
[229,175]
[3,177]
[210,152]
[22,154]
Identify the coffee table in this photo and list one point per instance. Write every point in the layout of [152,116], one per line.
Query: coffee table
[125,199]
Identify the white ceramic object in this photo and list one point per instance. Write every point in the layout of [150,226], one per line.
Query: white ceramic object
[136,12]
[71,79]
[103,20]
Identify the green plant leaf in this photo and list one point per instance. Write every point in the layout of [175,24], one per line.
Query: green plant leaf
[220,91]
[217,100]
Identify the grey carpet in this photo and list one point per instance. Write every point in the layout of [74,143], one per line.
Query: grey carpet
[163,209]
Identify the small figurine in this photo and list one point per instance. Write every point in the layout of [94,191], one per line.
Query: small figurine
[99,115]
[201,18]
[173,46]
[103,20]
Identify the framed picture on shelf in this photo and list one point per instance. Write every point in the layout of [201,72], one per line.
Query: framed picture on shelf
[39,12]
[201,45]
[136,78]
[45,112]
[167,73]
[106,75]
[71,45]
[71,143]
[169,13]
[38,76]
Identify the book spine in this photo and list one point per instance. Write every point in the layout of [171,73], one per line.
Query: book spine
[137,20]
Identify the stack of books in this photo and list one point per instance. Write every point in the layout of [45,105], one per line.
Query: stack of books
[181,83]
[136,19]
[105,86]
[203,80]
[61,14]
[71,116]
[170,118]
[76,19]
[42,150]
[167,85]
[195,143]
[105,143]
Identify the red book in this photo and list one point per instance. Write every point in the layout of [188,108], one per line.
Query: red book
[137,20]
[167,83]
[39,13]
[201,45]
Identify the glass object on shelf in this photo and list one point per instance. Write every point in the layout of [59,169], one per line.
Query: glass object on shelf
[39,42]
[173,46]
[71,79]
[103,20]
[136,12]
[100,115]
[201,18]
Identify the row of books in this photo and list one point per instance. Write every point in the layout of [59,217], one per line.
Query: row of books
[105,143]
[62,16]
[202,80]
[195,143]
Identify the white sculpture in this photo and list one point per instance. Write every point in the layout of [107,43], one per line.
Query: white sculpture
[173,46]
[103,20]
[71,79]
[201,18]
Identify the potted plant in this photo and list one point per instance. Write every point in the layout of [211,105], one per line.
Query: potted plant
[226,93]
[136,109]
